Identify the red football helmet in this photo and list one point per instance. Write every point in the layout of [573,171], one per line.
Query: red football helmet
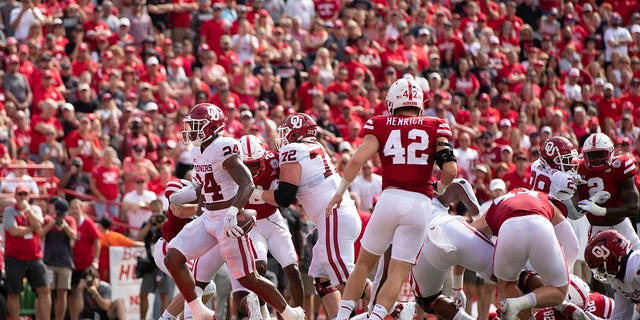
[203,122]
[598,152]
[558,153]
[253,152]
[296,127]
[605,253]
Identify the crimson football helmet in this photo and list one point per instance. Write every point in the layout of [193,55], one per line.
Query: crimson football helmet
[558,153]
[605,253]
[203,122]
[295,128]
[598,152]
[253,152]
[404,93]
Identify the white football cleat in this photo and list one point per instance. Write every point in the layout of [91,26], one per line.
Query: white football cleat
[508,310]
[408,311]
[253,307]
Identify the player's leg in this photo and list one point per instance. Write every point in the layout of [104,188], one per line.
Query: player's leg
[282,249]
[626,229]
[192,242]
[569,241]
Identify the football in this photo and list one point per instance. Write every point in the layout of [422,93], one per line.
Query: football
[246,219]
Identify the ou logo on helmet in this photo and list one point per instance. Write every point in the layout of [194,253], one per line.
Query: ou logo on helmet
[551,149]
[296,122]
[213,113]
[600,252]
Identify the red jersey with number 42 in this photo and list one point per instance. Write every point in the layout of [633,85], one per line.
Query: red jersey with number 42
[407,149]
[517,203]
[598,305]
[265,180]
[215,182]
[608,179]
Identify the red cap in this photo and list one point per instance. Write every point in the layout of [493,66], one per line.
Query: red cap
[347,104]
[628,105]
[594,120]
[13,58]
[23,48]
[349,50]
[263,12]
[12,41]
[130,49]
[247,61]
[505,96]
[484,97]
[132,96]
[107,54]
[231,105]
[482,17]
[355,84]
[338,24]
[102,37]
[22,188]
[47,74]
[106,97]
[141,177]
[147,120]
[83,47]
[167,42]
[314,69]
[176,62]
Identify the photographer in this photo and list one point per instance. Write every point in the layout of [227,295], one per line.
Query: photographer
[59,233]
[96,299]
[153,280]
[75,179]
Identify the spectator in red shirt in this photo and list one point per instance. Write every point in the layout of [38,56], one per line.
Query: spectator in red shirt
[212,30]
[23,254]
[83,143]
[46,90]
[393,56]
[452,42]
[518,178]
[96,27]
[104,184]
[464,81]
[608,105]
[308,88]
[86,253]
[154,73]
[122,37]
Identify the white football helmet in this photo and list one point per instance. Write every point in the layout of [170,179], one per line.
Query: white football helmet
[597,152]
[253,152]
[578,293]
[404,93]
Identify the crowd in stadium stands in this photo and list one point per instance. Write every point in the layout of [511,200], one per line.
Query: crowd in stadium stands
[92,95]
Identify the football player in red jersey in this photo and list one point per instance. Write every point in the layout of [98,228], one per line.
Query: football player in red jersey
[523,222]
[408,145]
[271,231]
[609,194]
[226,186]
[610,257]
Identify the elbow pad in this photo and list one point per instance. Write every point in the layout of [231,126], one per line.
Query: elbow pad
[185,195]
[285,194]
[444,155]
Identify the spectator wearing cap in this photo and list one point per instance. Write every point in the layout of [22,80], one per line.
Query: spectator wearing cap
[137,165]
[616,38]
[360,102]
[69,82]
[46,90]
[608,105]
[121,36]
[104,184]
[41,122]
[572,89]
[135,204]
[23,254]
[86,102]
[487,112]
[482,181]
[141,24]
[108,239]
[76,180]
[633,95]
[213,29]
[83,142]
[346,117]
[16,85]
[519,177]
[95,27]
[154,72]
[310,87]
[504,137]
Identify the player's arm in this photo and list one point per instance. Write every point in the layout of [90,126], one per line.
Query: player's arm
[242,176]
[463,191]
[628,194]
[184,211]
[447,162]
[285,194]
[368,148]
[482,226]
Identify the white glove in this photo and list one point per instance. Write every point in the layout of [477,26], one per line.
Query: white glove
[591,207]
[577,178]
[600,197]
[459,298]
[231,228]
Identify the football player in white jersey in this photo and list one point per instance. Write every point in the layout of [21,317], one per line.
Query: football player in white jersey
[555,173]
[226,186]
[308,175]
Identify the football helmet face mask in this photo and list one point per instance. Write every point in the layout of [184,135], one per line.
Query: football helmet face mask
[404,93]
[559,153]
[605,253]
[203,122]
[598,152]
[295,128]
[253,152]
[578,292]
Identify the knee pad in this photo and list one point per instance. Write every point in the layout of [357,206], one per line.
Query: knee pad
[323,288]
[523,280]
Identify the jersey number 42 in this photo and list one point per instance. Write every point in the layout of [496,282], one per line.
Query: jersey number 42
[414,153]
